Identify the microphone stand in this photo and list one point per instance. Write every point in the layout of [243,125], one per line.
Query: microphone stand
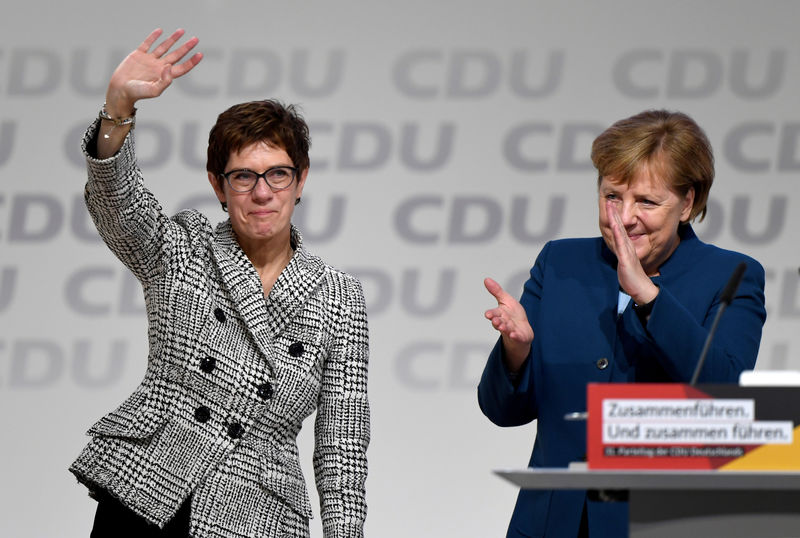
[725,299]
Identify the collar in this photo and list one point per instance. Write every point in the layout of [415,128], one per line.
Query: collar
[265,317]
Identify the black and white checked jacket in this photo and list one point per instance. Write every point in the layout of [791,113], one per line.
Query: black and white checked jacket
[230,376]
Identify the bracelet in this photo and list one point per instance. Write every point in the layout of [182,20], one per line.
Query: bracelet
[118,122]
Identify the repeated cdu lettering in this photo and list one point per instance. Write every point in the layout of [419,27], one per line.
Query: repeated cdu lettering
[42,217]
[100,291]
[246,72]
[476,220]
[29,364]
[698,73]
[420,293]
[437,365]
[749,225]
[743,147]
[477,73]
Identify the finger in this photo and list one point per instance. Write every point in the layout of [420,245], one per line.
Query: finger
[502,326]
[612,216]
[618,221]
[620,238]
[165,45]
[181,69]
[493,313]
[176,55]
[625,248]
[149,40]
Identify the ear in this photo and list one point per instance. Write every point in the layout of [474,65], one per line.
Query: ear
[301,181]
[688,204]
[216,184]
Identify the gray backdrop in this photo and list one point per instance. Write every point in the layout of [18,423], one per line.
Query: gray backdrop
[450,141]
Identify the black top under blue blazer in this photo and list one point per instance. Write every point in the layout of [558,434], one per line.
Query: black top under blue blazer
[571,301]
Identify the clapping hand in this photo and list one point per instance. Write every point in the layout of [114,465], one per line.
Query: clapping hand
[510,320]
[632,276]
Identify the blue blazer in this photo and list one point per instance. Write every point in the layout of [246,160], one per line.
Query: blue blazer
[571,302]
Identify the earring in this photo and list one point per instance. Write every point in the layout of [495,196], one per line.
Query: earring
[297,200]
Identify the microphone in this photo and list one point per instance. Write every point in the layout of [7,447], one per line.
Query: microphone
[725,299]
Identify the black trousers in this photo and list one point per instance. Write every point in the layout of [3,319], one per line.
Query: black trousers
[115,520]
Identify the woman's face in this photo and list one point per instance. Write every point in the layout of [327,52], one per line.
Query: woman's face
[260,215]
[650,212]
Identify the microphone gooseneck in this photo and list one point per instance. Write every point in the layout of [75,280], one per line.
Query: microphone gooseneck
[725,299]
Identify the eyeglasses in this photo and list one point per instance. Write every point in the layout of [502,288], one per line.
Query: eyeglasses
[278,178]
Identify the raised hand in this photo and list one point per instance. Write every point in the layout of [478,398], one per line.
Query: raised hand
[510,319]
[632,277]
[145,74]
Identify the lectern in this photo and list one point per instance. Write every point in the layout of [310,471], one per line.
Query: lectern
[692,461]
[686,504]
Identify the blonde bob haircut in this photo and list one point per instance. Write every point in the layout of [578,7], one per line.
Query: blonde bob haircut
[669,141]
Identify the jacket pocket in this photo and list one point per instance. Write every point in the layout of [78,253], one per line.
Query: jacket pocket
[281,476]
[135,419]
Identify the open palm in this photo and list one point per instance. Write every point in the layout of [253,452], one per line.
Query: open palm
[145,74]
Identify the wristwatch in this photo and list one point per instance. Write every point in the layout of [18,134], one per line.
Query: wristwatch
[643,310]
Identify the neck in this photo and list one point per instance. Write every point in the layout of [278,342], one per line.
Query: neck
[268,256]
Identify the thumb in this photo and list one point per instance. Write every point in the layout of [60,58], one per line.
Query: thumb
[496,290]
[166,77]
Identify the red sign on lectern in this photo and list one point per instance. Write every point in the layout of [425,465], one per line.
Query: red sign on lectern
[677,426]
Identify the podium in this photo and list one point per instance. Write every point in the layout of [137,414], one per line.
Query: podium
[705,460]
[680,503]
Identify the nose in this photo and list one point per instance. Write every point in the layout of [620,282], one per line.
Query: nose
[628,213]
[261,191]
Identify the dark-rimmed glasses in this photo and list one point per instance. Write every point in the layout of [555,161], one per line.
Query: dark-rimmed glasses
[278,178]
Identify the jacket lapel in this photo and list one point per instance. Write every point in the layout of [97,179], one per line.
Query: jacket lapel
[294,286]
[264,319]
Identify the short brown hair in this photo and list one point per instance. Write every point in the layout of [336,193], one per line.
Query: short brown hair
[268,121]
[671,139]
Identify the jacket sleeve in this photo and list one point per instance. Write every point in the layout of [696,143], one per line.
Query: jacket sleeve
[680,336]
[506,401]
[342,427]
[127,215]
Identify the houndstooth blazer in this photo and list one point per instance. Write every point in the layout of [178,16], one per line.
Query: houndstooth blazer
[230,376]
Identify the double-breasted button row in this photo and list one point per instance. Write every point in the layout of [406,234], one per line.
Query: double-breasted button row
[602,363]
[203,414]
